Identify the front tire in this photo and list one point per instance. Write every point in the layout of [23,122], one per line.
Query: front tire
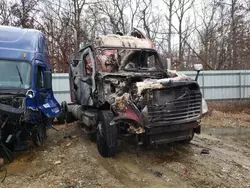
[61,119]
[39,134]
[106,135]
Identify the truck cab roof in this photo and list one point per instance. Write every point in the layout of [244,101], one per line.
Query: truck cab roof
[19,38]
[117,41]
[15,42]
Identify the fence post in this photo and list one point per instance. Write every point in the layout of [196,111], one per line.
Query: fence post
[240,84]
[203,81]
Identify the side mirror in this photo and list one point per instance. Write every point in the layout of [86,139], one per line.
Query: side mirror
[198,68]
[47,80]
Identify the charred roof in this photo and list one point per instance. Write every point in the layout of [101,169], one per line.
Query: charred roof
[117,41]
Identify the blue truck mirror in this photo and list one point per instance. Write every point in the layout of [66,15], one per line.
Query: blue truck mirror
[48,80]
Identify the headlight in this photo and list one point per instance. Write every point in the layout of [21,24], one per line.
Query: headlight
[30,94]
[204,106]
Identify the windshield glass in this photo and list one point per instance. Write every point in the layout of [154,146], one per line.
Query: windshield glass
[113,60]
[15,74]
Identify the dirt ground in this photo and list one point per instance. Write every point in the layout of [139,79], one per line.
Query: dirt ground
[219,157]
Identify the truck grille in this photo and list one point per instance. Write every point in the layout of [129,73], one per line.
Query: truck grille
[174,106]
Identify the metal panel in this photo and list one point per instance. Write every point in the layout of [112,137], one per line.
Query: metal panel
[60,84]
[223,85]
[215,85]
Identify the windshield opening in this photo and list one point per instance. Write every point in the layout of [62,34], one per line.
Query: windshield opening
[113,60]
[15,74]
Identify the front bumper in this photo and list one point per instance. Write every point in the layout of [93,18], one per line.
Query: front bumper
[172,133]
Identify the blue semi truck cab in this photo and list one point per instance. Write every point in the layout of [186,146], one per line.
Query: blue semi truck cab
[27,102]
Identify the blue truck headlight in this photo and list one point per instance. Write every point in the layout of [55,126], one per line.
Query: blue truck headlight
[30,94]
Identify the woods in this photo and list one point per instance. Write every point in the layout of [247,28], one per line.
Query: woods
[215,33]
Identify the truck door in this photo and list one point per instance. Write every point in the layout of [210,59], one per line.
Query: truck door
[85,79]
[45,98]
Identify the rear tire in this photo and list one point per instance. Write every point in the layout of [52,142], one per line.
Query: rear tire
[106,135]
[69,118]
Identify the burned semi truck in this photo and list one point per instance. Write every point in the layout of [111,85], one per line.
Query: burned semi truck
[119,87]
[27,103]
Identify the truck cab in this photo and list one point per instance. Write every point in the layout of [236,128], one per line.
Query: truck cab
[119,88]
[27,102]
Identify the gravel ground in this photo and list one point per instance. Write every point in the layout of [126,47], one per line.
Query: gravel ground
[219,157]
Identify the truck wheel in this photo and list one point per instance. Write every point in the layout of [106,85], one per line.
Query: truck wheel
[61,118]
[106,135]
[39,135]
[69,118]
[5,152]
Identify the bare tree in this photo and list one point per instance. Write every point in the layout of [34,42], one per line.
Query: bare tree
[207,30]
[232,34]
[149,19]
[115,11]
[56,24]
[24,13]
[5,13]
[181,8]
[133,6]
[76,22]
[222,28]
[224,35]
[169,18]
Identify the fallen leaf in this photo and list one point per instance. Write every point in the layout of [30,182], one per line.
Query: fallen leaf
[68,144]
[57,162]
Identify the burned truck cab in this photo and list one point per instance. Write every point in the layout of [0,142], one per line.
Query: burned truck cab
[120,88]
[27,103]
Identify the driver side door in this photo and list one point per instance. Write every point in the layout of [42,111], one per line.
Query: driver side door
[85,80]
[45,98]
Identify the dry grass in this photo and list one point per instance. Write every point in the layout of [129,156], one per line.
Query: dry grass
[230,106]
[230,114]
